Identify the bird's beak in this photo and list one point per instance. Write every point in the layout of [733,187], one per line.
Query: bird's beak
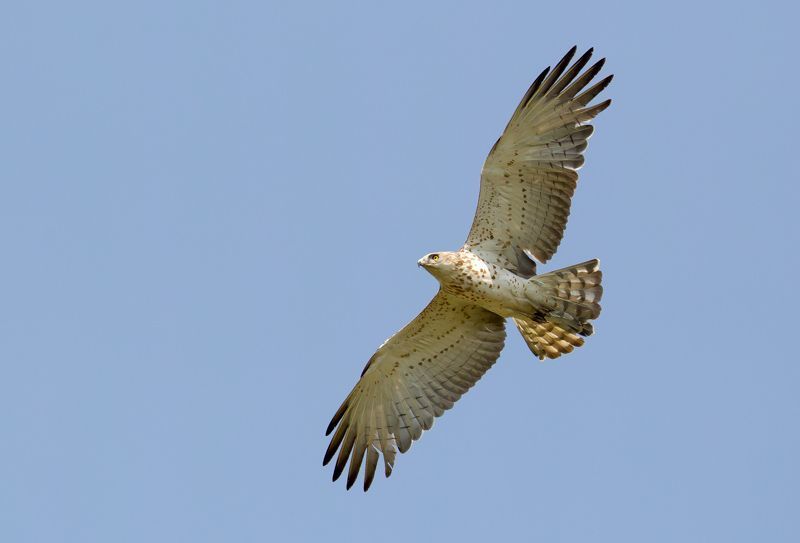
[419,263]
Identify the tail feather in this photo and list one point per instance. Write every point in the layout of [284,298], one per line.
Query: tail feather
[567,299]
[547,339]
[572,293]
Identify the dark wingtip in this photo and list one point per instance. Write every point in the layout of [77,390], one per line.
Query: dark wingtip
[338,416]
[568,56]
[541,76]
[605,82]
[328,455]
[532,90]
[337,472]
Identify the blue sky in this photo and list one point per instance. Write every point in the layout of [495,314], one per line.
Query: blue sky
[210,215]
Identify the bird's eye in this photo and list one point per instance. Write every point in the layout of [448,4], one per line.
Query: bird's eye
[434,257]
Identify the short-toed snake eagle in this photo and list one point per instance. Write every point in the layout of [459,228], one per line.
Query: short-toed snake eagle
[526,187]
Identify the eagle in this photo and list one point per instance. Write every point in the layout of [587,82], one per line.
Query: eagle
[526,187]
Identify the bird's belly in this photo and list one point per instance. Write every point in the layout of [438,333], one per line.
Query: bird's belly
[501,293]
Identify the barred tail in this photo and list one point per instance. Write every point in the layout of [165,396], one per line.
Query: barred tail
[567,299]
[546,339]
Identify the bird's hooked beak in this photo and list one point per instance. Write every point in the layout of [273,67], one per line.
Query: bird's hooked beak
[419,262]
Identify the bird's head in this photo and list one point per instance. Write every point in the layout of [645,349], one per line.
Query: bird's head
[437,264]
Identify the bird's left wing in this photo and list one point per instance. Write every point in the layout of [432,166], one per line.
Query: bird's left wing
[530,174]
[415,376]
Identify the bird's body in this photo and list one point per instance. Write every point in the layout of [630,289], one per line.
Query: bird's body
[527,184]
[471,279]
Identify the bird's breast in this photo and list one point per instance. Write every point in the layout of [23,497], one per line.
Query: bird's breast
[486,285]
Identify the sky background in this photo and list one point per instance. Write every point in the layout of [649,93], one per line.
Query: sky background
[210,217]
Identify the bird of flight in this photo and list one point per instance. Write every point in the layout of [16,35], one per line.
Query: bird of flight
[527,183]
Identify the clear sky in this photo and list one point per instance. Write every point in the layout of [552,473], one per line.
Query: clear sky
[210,217]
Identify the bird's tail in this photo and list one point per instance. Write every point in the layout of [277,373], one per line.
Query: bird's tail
[567,300]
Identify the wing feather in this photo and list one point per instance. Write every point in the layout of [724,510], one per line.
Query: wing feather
[572,72]
[369,468]
[576,86]
[556,72]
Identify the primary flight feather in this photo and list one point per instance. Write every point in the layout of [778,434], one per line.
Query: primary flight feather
[527,185]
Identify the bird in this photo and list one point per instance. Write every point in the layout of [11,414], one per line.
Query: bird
[526,187]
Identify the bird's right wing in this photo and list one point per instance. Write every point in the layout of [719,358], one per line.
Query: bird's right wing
[415,376]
